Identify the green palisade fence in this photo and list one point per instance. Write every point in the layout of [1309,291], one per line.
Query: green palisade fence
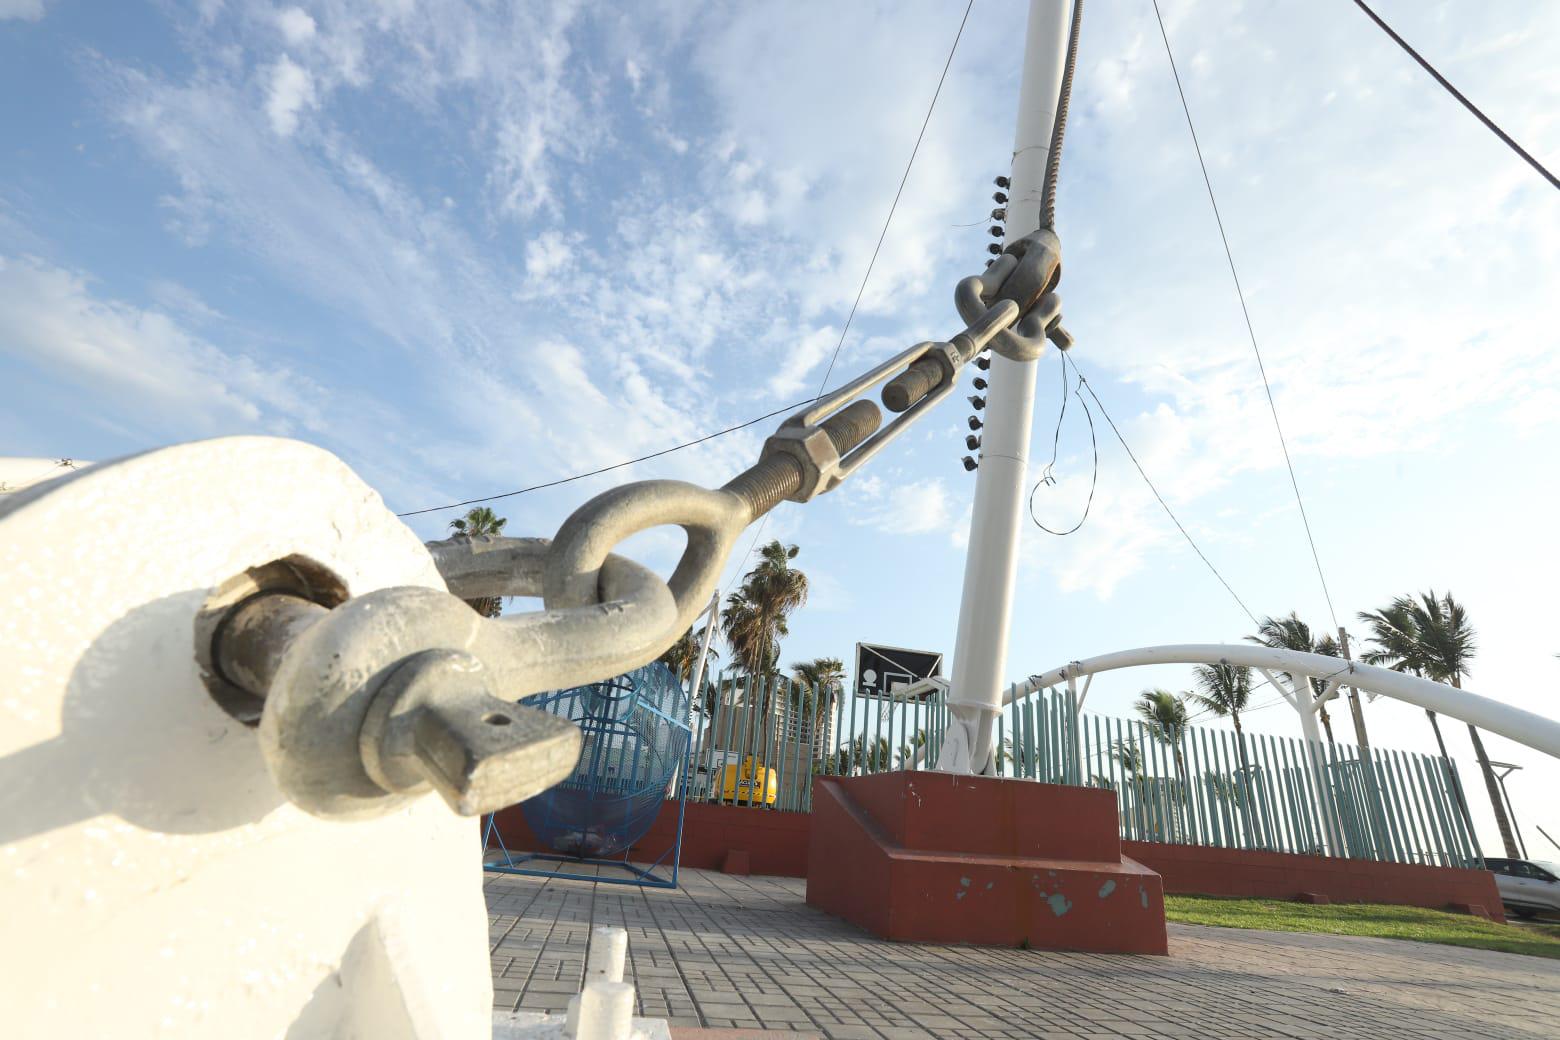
[1201,786]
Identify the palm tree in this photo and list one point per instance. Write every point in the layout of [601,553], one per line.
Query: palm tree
[1165,714]
[742,625]
[1431,636]
[1130,758]
[1394,639]
[682,657]
[755,617]
[1224,690]
[481,522]
[822,679]
[754,620]
[1290,633]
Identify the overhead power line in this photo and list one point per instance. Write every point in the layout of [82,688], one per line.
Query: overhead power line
[1494,128]
[1246,313]
[615,465]
[1083,380]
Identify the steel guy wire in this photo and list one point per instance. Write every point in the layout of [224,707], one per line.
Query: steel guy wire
[867,275]
[1246,313]
[1084,382]
[1495,129]
[850,318]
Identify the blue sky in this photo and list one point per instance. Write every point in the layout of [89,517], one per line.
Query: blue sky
[472,247]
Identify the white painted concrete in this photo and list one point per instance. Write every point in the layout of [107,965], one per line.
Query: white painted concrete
[155,882]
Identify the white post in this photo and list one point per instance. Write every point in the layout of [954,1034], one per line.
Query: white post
[1299,697]
[712,618]
[980,651]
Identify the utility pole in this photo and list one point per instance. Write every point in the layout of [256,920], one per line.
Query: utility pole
[1355,708]
[991,561]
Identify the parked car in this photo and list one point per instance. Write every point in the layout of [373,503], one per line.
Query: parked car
[1526,886]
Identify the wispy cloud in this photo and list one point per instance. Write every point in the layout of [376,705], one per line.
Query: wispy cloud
[26,10]
[144,360]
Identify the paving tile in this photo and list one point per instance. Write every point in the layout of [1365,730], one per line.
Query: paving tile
[748,953]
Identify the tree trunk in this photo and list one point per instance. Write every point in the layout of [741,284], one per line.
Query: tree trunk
[1502,821]
[1240,742]
[1242,807]
[1462,802]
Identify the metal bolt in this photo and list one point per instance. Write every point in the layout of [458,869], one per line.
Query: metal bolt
[983,362]
[1002,182]
[971,442]
[994,249]
[978,401]
[997,196]
[996,231]
[975,423]
[434,721]
[970,465]
[980,384]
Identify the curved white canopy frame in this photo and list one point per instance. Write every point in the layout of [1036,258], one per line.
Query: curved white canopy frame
[1524,727]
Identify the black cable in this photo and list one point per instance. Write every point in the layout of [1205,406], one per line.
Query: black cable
[1469,105]
[615,465]
[1250,329]
[1046,478]
[1053,162]
[1084,382]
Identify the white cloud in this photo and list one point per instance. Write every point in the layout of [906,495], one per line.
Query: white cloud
[296,25]
[894,505]
[26,10]
[141,363]
[802,354]
[291,89]
[546,255]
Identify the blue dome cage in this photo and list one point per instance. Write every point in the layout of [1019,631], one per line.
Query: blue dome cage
[636,734]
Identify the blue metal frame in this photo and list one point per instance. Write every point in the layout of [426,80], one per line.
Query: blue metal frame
[645,877]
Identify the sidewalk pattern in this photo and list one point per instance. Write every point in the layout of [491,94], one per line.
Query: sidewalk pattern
[748,953]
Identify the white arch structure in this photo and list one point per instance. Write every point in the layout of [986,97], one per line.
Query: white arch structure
[1524,727]
[1287,670]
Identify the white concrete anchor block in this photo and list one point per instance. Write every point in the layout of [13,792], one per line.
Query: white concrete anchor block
[155,881]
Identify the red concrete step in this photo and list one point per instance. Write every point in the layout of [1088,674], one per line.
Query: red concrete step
[928,857]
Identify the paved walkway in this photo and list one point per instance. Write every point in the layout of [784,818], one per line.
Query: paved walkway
[730,952]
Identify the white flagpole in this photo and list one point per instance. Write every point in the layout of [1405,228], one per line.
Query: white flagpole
[980,652]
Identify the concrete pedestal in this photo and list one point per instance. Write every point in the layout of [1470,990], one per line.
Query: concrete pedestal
[934,857]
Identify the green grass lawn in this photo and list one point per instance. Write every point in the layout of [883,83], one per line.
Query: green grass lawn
[1384,922]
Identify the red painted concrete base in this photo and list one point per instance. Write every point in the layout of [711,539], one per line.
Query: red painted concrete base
[1248,873]
[932,857]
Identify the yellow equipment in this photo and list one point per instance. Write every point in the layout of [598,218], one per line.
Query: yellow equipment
[745,790]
